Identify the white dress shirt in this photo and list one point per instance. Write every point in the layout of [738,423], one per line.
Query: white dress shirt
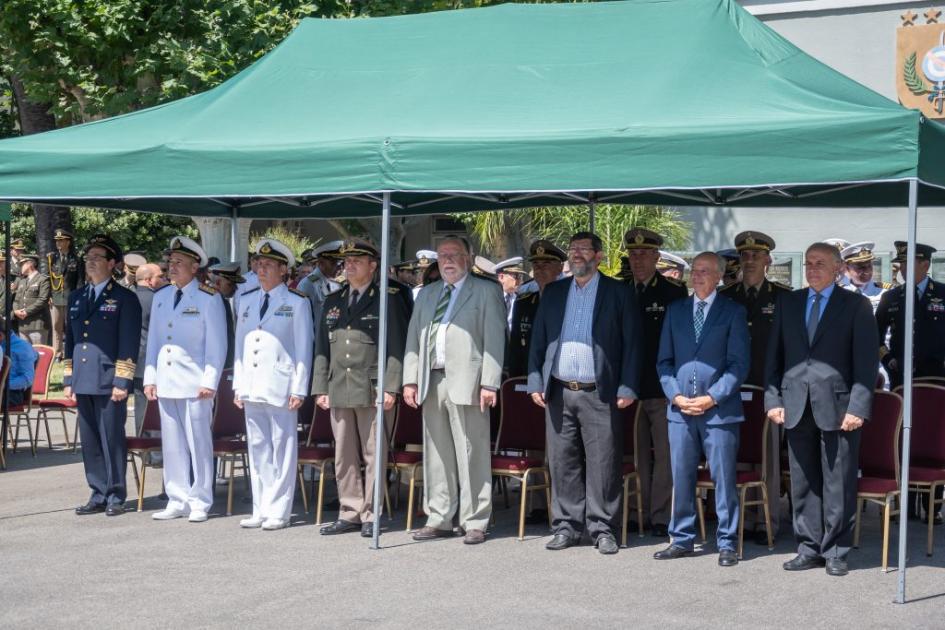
[439,361]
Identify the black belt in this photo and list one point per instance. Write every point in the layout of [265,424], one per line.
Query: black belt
[577,386]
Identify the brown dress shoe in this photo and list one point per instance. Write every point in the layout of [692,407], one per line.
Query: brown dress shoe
[429,533]
[474,537]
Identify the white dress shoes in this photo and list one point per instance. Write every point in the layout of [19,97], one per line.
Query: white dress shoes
[275,523]
[168,514]
[252,522]
[197,516]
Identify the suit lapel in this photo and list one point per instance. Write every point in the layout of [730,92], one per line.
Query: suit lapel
[464,294]
[831,311]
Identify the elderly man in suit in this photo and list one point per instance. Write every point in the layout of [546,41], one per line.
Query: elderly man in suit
[704,357]
[820,377]
[453,367]
[272,362]
[584,365]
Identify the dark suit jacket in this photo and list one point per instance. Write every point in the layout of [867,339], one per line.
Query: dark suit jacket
[837,373]
[716,365]
[616,331]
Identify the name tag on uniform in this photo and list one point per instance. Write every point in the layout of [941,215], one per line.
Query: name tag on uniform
[367,318]
[768,310]
[655,308]
[284,311]
[109,306]
[190,310]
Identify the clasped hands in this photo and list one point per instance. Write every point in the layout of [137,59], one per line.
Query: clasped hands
[694,406]
[850,422]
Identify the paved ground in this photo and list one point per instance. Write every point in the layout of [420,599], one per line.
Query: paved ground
[60,570]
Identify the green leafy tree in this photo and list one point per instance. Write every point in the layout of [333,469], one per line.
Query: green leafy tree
[294,239]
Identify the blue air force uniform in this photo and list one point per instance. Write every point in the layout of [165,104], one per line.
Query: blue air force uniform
[102,337]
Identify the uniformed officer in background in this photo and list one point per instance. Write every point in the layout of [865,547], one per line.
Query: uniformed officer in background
[321,282]
[17,249]
[654,293]
[510,275]
[928,357]
[427,270]
[66,273]
[186,351]
[547,260]
[271,369]
[858,271]
[31,304]
[406,272]
[672,266]
[759,296]
[101,346]
[226,279]
[345,380]
[250,282]
[732,266]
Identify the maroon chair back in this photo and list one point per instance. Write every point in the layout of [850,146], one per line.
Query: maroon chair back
[228,419]
[4,374]
[43,369]
[879,439]
[408,429]
[928,425]
[152,418]
[522,425]
[750,447]
[630,415]
[320,433]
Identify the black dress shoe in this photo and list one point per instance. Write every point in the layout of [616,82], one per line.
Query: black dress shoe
[559,542]
[802,563]
[607,544]
[114,510]
[367,530]
[660,531]
[430,533]
[90,508]
[340,527]
[727,558]
[837,567]
[671,553]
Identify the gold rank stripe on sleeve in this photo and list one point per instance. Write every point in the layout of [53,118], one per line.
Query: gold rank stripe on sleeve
[67,367]
[125,368]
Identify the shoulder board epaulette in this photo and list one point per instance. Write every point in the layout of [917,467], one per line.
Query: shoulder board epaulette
[678,283]
[335,292]
[393,290]
[164,287]
[781,285]
[253,290]
[731,287]
[298,293]
[207,289]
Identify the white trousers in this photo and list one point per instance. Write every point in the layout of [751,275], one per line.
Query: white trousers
[187,445]
[272,434]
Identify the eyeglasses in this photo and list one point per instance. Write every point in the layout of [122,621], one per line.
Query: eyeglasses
[95,258]
[581,250]
[450,257]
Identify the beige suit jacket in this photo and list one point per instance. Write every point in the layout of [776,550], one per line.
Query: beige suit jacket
[475,340]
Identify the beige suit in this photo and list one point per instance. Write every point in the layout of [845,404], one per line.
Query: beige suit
[456,464]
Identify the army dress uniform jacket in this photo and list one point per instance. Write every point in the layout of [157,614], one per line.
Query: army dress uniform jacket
[345,365]
[760,312]
[186,344]
[66,274]
[523,317]
[273,356]
[32,294]
[929,346]
[102,339]
[657,294]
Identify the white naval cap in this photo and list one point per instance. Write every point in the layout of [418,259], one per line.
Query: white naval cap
[134,260]
[425,257]
[510,265]
[675,260]
[839,243]
[329,249]
[228,270]
[485,265]
[858,252]
[276,250]
[188,247]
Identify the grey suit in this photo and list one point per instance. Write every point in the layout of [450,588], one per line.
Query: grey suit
[456,463]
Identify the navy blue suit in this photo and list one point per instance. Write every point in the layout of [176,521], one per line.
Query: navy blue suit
[102,343]
[715,365]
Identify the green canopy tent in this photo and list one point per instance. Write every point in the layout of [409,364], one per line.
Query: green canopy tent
[647,101]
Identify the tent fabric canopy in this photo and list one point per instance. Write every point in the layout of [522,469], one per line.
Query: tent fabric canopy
[681,102]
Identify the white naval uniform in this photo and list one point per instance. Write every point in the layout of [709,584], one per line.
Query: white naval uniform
[186,351]
[872,291]
[272,361]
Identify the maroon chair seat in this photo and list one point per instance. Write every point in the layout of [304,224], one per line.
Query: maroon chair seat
[406,457]
[516,462]
[229,446]
[143,443]
[628,468]
[704,476]
[876,485]
[57,403]
[926,475]
[16,408]
[315,453]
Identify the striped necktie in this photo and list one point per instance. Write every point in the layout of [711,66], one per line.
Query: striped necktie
[438,315]
[699,319]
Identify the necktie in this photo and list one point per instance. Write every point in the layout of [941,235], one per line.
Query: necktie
[438,314]
[814,318]
[177,297]
[91,296]
[354,298]
[699,319]
[264,307]
[640,288]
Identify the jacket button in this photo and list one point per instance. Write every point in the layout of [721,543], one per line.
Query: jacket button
[85,334]
[86,322]
[170,324]
[168,362]
[347,356]
[349,369]
[83,360]
[255,351]
[85,347]
[254,365]
[168,338]
[168,348]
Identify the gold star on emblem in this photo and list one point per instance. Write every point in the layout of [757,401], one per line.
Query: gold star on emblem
[932,15]
[908,18]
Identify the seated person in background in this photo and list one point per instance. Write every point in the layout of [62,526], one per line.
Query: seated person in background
[22,368]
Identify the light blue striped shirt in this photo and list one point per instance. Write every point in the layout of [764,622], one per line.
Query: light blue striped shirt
[575,360]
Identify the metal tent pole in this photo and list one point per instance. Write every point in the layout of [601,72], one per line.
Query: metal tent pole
[592,218]
[907,388]
[380,467]
[234,236]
